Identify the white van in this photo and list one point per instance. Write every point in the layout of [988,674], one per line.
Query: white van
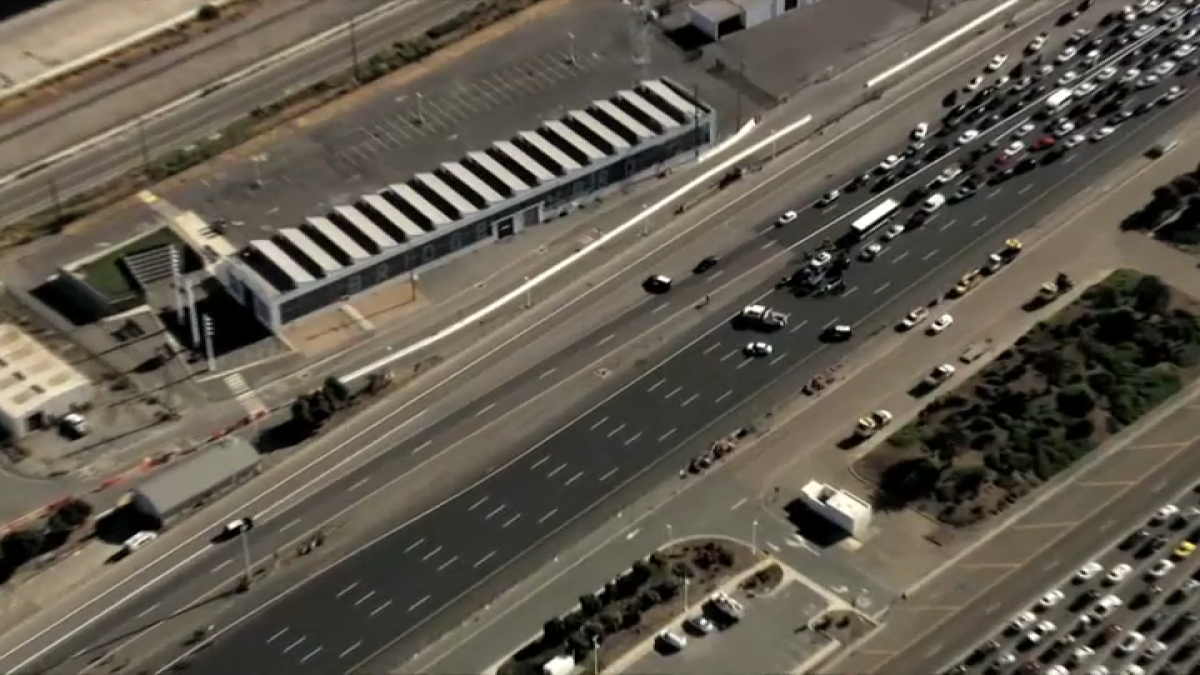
[933,203]
[1058,100]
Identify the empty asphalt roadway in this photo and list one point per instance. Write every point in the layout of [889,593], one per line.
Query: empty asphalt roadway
[396,584]
[406,578]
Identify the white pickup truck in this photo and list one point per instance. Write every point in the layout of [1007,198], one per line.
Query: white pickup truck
[764,316]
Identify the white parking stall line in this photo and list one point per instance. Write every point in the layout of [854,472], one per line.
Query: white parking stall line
[153,607]
[380,608]
[689,400]
[486,409]
[831,322]
[495,512]
[599,423]
[1070,159]
[744,363]
[633,439]
[548,373]
[850,292]
[559,468]
[292,523]
[993,193]
[364,598]
[358,484]
[605,340]
[222,566]
[713,277]
[730,355]
[614,432]
[277,635]
[766,246]
[574,478]
[673,392]
[421,447]
[411,547]
[295,644]
[517,517]
[481,500]
[656,385]
[948,225]
[348,589]
[453,560]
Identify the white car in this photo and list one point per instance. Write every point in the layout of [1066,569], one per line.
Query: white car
[672,640]
[1106,606]
[968,136]
[1063,128]
[1160,569]
[892,232]
[1022,621]
[1150,7]
[821,259]
[786,217]
[1142,31]
[139,540]
[700,624]
[1078,36]
[1189,35]
[1163,514]
[996,63]
[1003,661]
[915,317]
[871,251]
[974,85]
[949,174]
[1173,94]
[1014,148]
[829,198]
[1165,68]
[1184,50]
[1040,631]
[1130,75]
[1132,642]
[920,132]
[1074,140]
[1050,599]
[1148,80]
[1107,73]
[1066,54]
[890,162]
[758,349]
[1080,655]
[1024,130]
[1084,89]
[1037,44]
[934,202]
[1155,648]
[940,324]
[1103,133]
[1067,78]
[1118,573]
[1091,57]
[1088,572]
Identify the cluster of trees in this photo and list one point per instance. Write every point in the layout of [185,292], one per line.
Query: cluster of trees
[621,605]
[1173,214]
[19,547]
[1105,361]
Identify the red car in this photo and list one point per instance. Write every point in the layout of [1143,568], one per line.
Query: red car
[1044,143]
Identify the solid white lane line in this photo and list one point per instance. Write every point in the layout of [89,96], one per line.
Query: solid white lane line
[478,503]
[486,409]
[766,246]
[548,516]
[900,257]
[276,636]
[418,603]
[347,651]
[434,552]
[421,447]
[222,566]
[660,308]
[666,436]
[600,423]
[633,439]
[722,397]
[554,472]
[447,563]
[882,288]
[484,559]
[311,654]
[295,644]
[364,598]
[658,384]
[574,478]
[349,588]
[543,460]
[616,431]
[510,521]
[497,510]
[153,607]
[608,475]
[929,255]
[713,347]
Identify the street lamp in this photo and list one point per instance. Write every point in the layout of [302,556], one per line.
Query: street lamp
[670,533]
[686,582]
[246,556]
[754,535]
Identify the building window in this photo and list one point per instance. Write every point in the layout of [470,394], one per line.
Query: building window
[429,252]
[789,5]
[353,284]
[381,272]
[456,241]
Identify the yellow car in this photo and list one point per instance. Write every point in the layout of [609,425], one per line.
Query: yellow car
[969,281]
[1185,549]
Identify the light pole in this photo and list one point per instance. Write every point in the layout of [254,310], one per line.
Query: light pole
[571,59]
[686,582]
[528,294]
[595,656]
[670,533]
[246,556]
[754,535]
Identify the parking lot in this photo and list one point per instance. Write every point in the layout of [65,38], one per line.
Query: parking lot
[773,636]
[1129,611]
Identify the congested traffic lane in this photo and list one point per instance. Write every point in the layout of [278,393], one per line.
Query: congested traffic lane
[569,472]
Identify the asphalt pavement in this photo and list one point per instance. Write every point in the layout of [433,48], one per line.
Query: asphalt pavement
[584,463]
[520,505]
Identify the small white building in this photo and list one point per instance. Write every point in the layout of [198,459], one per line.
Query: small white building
[718,18]
[37,387]
[838,507]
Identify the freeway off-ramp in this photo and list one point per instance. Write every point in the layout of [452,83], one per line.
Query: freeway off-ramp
[558,480]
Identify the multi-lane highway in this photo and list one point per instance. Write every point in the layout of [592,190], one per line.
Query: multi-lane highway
[396,585]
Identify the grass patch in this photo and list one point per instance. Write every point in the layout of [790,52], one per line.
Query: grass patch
[107,274]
